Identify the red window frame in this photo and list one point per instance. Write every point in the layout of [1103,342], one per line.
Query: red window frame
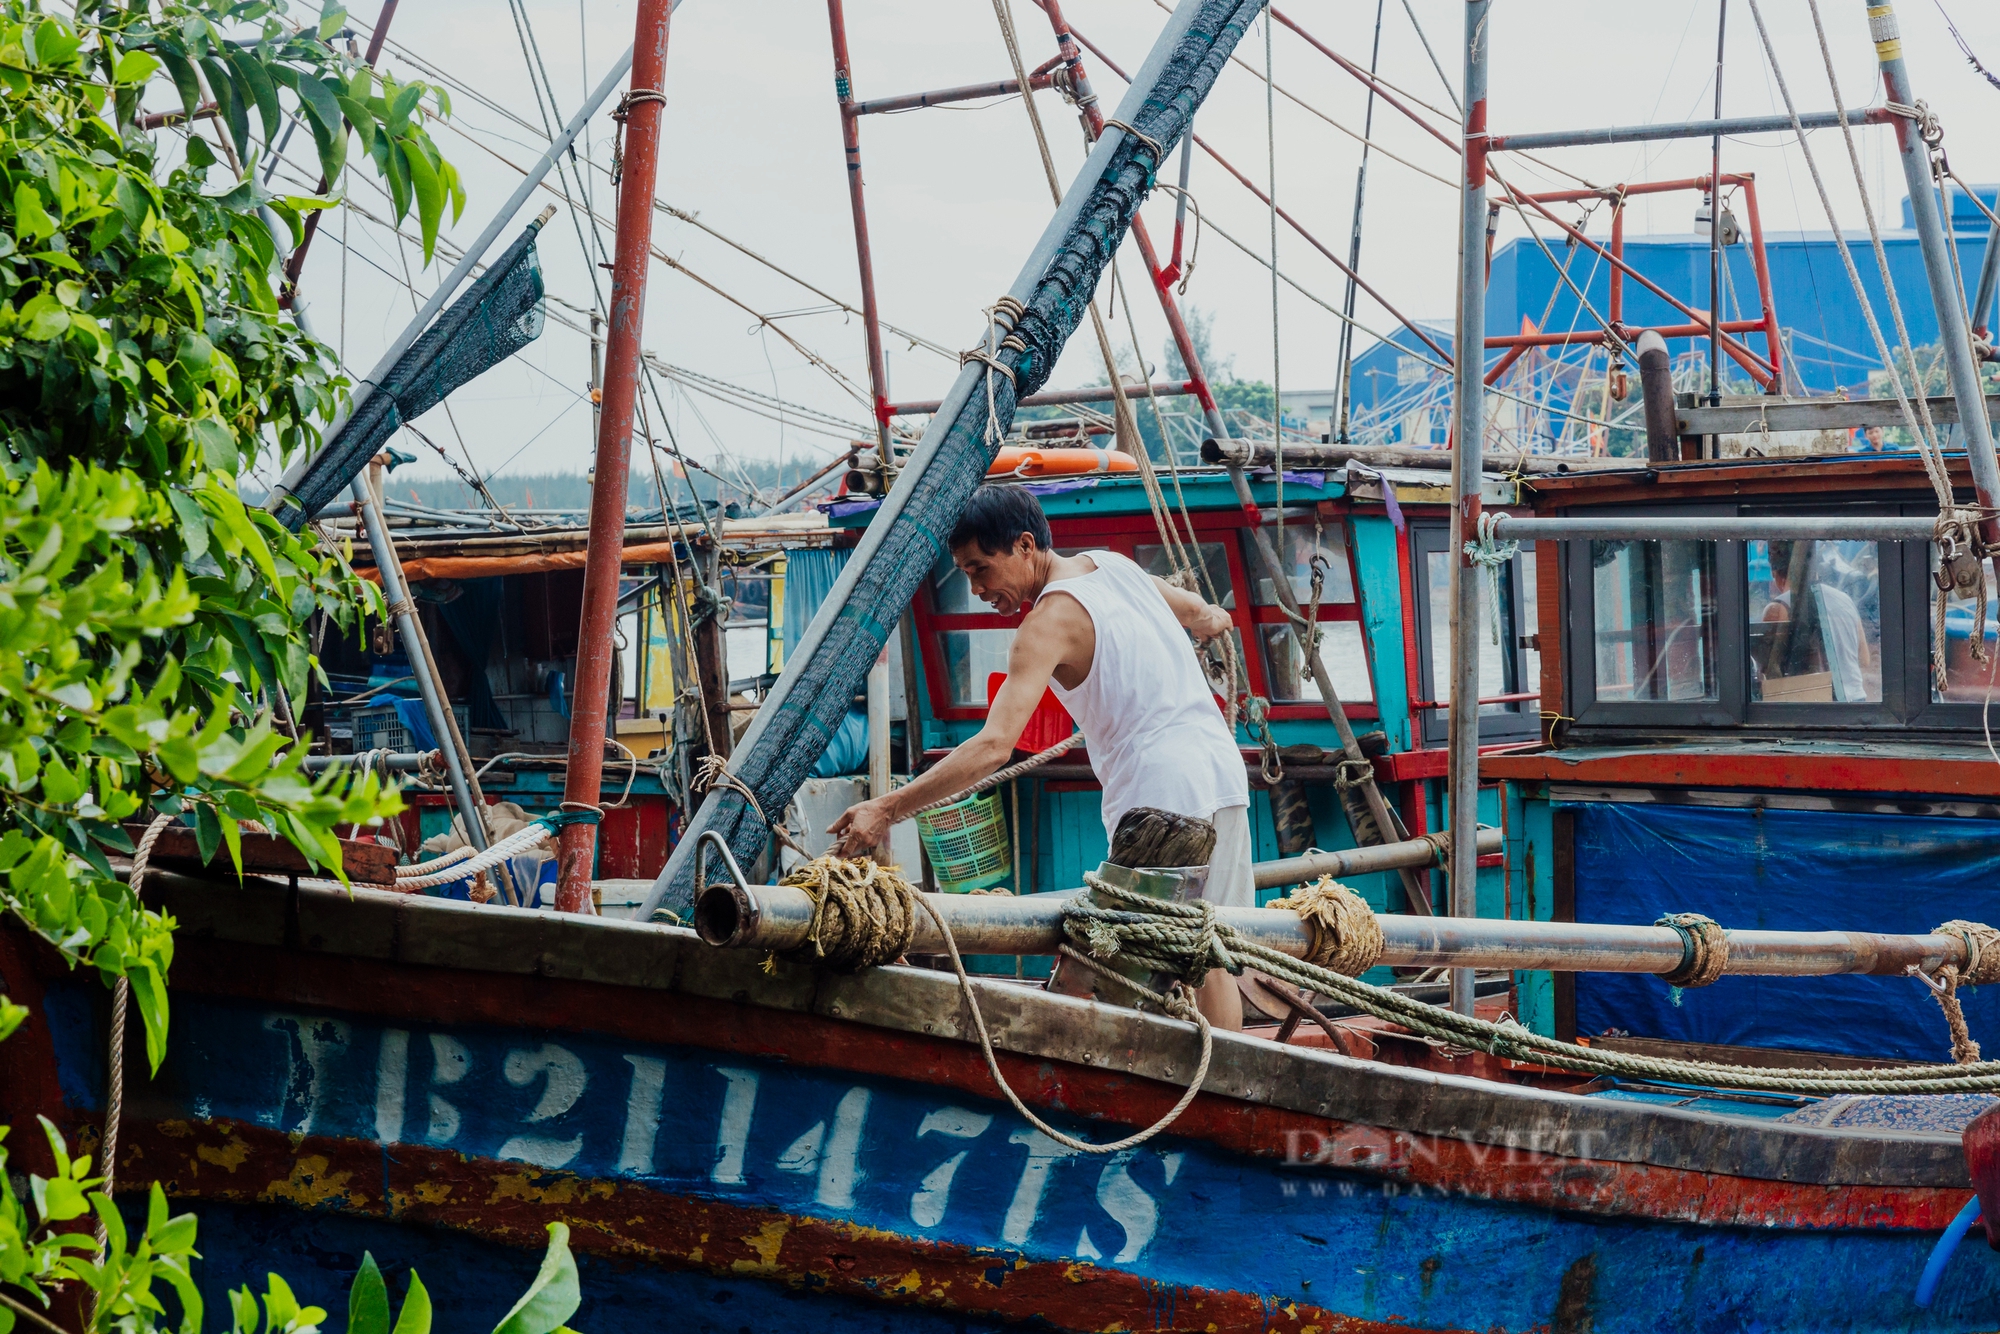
[1123,534]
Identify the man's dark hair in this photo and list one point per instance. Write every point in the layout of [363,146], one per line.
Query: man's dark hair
[996,516]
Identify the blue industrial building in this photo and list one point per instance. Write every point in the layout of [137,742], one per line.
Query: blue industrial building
[1400,397]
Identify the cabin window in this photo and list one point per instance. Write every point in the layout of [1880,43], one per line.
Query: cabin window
[971,657]
[1815,622]
[1297,553]
[1773,633]
[966,641]
[1156,559]
[1509,669]
[1655,620]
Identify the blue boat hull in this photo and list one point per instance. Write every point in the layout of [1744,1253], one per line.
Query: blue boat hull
[749,1151]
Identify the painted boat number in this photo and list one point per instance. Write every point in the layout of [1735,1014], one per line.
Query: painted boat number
[881,1154]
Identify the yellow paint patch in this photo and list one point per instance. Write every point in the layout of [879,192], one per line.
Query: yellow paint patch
[431,1192]
[766,1241]
[547,1188]
[909,1283]
[311,1184]
[228,1157]
[174,1129]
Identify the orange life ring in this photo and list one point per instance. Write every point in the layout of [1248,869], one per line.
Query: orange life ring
[1019,461]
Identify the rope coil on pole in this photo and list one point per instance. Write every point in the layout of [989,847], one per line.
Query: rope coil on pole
[1346,936]
[1491,554]
[1704,949]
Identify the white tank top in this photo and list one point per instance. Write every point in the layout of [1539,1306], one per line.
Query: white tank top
[1154,733]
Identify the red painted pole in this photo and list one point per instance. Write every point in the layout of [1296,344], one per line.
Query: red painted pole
[871,319]
[584,784]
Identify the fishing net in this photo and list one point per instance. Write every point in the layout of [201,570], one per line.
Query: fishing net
[500,314]
[903,546]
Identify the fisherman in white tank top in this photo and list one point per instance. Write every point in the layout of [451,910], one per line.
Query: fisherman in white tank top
[1112,641]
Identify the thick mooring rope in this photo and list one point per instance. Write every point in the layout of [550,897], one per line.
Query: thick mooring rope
[1185,939]
[864,915]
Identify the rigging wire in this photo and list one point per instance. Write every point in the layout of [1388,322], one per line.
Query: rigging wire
[1344,369]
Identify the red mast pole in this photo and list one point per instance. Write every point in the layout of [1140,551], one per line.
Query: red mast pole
[641,110]
[850,135]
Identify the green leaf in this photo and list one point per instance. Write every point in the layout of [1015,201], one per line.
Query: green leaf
[415,1317]
[368,1300]
[333,17]
[321,102]
[363,122]
[553,1297]
[261,90]
[207,832]
[149,989]
[218,445]
[193,523]
[31,220]
[429,190]
[400,107]
[185,82]
[222,86]
[135,67]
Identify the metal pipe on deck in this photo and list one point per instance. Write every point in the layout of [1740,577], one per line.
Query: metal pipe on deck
[1693,129]
[779,917]
[1312,865]
[1687,528]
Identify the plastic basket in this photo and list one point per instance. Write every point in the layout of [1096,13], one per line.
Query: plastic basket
[379,727]
[967,844]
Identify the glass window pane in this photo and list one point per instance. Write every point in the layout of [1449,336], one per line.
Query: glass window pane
[1496,651]
[1340,648]
[1655,631]
[1297,552]
[1154,559]
[970,656]
[1528,624]
[1815,622]
[1967,679]
[951,591]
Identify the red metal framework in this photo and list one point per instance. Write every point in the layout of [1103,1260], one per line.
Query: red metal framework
[1767,370]
[1132,535]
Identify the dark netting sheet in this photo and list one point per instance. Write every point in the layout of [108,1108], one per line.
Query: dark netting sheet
[1785,871]
[500,314]
[791,737]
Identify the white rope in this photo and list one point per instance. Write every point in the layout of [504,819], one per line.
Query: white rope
[1492,556]
[456,865]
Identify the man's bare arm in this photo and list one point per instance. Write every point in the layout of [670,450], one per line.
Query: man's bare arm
[1204,620]
[1045,638]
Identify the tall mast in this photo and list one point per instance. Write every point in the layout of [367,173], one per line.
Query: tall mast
[640,111]
[1469,431]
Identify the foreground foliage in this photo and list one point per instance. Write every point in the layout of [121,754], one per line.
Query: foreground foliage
[151,623]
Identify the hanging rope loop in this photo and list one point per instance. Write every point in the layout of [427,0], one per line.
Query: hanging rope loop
[1704,949]
[864,915]
[1491,555]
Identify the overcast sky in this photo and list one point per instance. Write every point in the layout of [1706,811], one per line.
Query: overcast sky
[956,197]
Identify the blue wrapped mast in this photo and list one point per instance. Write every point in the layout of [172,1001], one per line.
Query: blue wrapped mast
[908,534]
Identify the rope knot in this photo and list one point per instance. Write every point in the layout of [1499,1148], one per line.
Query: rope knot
[1982,951]
[620,114]
[1704,949]
[864,915]
[1346,937]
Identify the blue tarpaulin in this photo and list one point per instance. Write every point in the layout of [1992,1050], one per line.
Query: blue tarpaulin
[1785,871]
[809,577]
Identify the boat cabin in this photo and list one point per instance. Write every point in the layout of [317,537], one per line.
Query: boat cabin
[1755,731]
